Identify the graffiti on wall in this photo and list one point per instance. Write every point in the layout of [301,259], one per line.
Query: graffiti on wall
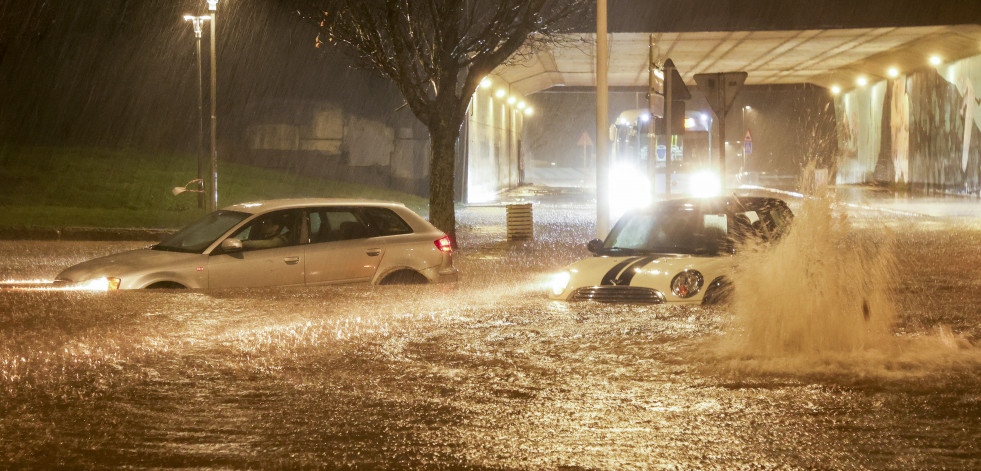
[923,129]
[899,131]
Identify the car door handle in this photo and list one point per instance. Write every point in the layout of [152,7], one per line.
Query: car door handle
[373,252]
[291,260]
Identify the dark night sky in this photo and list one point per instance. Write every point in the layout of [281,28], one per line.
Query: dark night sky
[123,72]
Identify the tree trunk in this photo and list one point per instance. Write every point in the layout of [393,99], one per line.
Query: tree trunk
[443,135]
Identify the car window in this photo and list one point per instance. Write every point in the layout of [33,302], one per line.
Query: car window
[202,233]
[745,226]
[333,224]
[634,233]
[670,230]
[774,217]
[386,222]
[276,229]
[778,220]
[315,224]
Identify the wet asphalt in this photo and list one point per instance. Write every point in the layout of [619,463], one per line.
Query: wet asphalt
[487,373]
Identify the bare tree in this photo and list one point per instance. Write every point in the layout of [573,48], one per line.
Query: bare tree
[437,52]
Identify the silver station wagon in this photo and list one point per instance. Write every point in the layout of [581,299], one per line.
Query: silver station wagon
[284,243]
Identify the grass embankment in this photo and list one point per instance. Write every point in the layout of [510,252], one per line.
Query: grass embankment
[66,187]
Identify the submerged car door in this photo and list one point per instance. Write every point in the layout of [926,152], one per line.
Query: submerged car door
[272,254]
[343,247]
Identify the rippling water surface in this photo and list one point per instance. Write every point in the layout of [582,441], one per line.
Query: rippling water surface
[490,374]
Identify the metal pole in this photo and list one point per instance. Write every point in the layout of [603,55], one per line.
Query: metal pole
[213,203]
[196,22]
[710,143]
[201,159]
[722,137]
[602,125]
[743,122]
[669,147]
[651,141]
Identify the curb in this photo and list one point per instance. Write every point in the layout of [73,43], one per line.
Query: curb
[83,233]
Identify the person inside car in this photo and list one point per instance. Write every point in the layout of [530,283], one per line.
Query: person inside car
[266,233]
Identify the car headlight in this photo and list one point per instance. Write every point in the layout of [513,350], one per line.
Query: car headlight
[559,282]
[687,283]
[96,284]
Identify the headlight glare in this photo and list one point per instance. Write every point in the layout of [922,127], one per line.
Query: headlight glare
[687,283]
[114,283]
[559,282]
[705,184]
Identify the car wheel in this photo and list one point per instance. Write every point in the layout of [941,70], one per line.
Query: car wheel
[717,292]
[166,285]
[404,277]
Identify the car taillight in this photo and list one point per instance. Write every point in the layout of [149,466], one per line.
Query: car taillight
[113,283]
[444,244]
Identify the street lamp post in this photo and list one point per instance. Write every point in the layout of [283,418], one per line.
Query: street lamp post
[745,109]
[197,22]
[602,125]
[213,187]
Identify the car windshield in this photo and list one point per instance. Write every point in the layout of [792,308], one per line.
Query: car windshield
[202,233]
[683,229]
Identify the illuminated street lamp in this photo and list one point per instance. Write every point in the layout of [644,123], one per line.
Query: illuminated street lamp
[213,187]
[197,22]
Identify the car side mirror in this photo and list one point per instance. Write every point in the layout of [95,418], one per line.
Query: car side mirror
[231,244]
[594,245]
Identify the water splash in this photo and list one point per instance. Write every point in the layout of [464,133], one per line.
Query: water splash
[823,288]
[823,303]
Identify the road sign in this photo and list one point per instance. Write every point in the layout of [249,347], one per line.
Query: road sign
[677,121]
[720,89]
[747,147]
[679,91]
[749,137]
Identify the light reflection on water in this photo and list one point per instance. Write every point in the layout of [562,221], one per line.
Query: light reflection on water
[486,373]
[99,284]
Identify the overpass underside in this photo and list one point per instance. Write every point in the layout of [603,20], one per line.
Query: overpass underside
[900,118]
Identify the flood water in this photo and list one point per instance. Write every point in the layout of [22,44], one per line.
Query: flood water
[489,374]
